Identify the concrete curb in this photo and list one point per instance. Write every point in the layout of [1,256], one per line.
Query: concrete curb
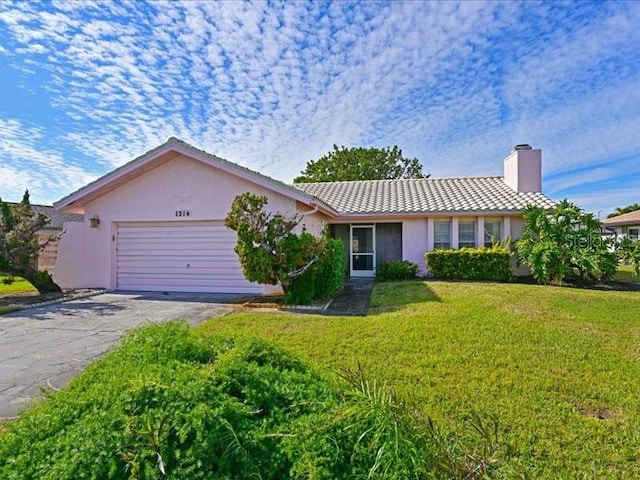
[288,308]
[309,308]
[79,296]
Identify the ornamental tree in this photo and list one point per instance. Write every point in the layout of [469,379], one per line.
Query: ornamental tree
[19,245]
[565,243]
[269,252]
[360,163]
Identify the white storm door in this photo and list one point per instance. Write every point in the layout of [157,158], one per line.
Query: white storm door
[363,251]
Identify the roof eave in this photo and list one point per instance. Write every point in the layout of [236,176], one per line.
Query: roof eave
[427,213]
[621,224]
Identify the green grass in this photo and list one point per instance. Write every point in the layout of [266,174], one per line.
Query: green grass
[625,272]
[8,309]
[548,361]
[19,286]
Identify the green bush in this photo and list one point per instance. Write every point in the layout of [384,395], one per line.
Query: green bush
[41,278]
[323,278]
[470,264]
[565,243]
[330,268]
[168,400]
[397,270]
[167,403]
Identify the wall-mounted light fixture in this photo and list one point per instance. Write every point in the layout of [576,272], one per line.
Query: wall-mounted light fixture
[95,221]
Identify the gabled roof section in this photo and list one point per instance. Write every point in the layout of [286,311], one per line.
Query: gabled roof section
[631,218]
[172,148]
[426,195]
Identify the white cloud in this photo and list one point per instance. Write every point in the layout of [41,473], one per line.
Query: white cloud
[23,165]
[272,86]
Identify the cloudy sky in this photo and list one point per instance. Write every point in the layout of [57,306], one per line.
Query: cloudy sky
[85,87]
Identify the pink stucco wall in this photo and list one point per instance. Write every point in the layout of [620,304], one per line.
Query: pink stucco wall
[182,184]
[414,241]
[71,264]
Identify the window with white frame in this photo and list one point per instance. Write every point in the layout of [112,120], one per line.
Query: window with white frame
[634,233]
[442,234]
[491,232]
[466,233]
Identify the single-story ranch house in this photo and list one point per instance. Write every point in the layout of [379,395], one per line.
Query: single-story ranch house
[625,225]
[157,223]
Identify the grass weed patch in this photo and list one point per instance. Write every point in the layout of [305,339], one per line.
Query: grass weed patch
[558,367]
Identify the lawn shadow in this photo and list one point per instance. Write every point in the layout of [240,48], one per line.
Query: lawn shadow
[394,296]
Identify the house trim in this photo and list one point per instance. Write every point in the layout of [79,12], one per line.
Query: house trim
[166,152]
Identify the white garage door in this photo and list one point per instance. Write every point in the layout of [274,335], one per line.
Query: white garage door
[179,257]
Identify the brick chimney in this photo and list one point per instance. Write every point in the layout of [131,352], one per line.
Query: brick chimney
[523,169]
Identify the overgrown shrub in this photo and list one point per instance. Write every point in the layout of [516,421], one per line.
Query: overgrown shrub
[323,278]
[168,403]
[330,268]
[397,270]
[470,263]
[565,243]
[305,266]
[41,278]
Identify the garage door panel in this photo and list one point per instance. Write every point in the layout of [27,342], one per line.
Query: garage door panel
[185,237]
[186,257]
[251,289]
[143,263]
[175,242]
[177,280]
[183,273]
[175,250]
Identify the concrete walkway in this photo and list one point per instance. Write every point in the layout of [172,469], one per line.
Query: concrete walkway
[353,299]
[45,347]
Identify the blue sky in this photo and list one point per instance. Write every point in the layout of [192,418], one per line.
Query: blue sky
[85,87]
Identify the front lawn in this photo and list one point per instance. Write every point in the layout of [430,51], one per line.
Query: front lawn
[559,367]
[19,286]
[625,272]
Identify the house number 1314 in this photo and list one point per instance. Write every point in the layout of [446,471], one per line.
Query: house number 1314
[183,213]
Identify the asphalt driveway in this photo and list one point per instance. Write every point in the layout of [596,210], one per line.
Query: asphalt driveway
[45,347]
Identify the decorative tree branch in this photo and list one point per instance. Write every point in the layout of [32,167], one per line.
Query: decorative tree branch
[19,245]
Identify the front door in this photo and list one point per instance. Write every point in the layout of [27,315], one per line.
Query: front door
[363,251]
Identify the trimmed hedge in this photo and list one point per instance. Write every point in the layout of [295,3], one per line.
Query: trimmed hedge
[397,270]
[470,264]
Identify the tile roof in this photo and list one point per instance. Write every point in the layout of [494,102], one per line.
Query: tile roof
[631,218]
[437,195]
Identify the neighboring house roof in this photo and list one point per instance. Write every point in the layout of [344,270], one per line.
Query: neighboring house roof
[430,195]
[56,219]
[631,218]
[167,151]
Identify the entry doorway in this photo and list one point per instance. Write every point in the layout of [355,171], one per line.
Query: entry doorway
[363,250]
